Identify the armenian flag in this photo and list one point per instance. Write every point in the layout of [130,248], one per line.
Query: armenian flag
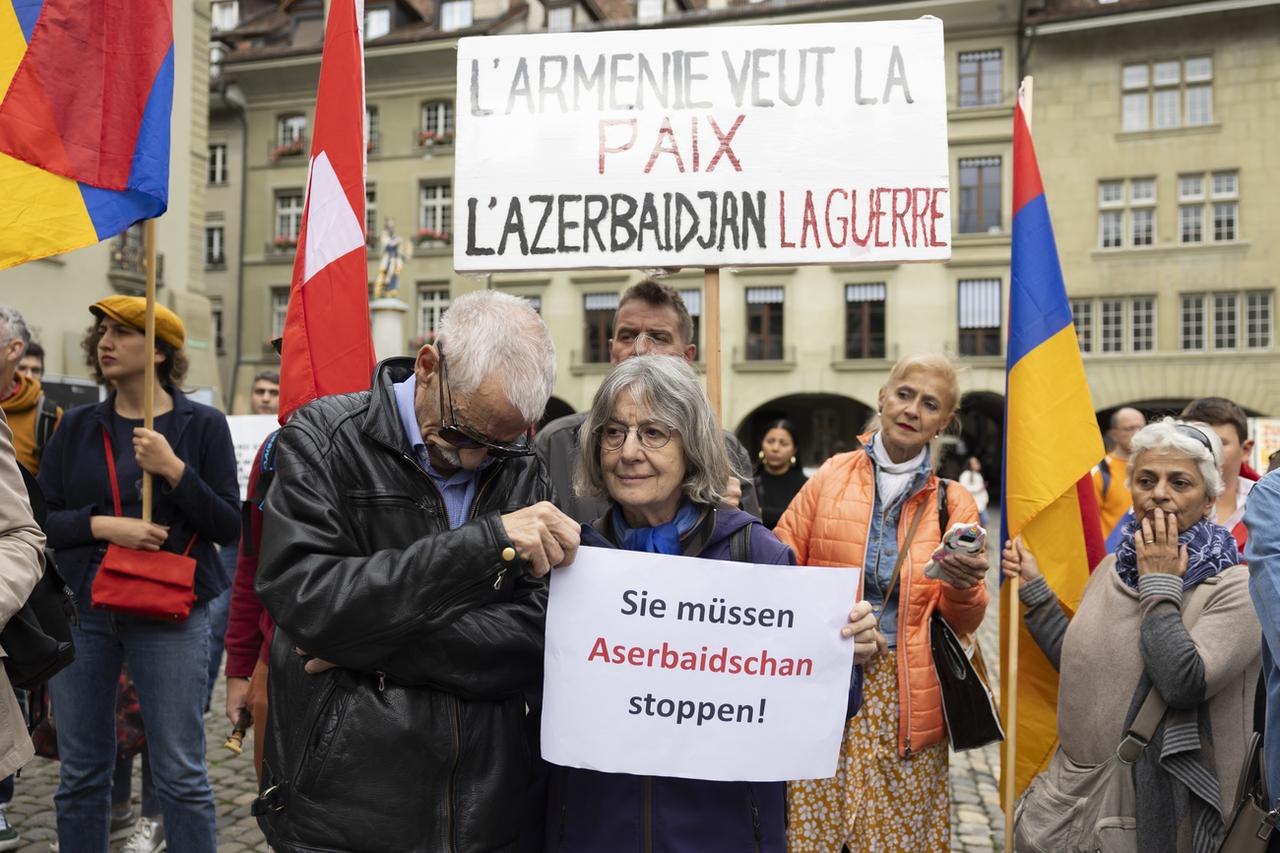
[1051,443]
[86,92]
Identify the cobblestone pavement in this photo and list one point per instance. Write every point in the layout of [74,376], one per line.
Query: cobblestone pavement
[977,822]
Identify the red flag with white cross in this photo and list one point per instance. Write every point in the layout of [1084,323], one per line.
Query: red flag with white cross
[328,346]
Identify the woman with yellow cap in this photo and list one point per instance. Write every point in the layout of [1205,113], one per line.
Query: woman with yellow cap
[93,504]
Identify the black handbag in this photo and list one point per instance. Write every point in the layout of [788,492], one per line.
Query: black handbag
[37,639]
[967,706]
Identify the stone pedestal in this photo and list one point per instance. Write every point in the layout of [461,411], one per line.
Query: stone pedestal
[389,338]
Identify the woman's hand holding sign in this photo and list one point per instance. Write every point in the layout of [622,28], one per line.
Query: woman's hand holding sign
[862,627]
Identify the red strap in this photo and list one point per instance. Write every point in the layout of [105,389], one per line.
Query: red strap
[111,470]
[115,484]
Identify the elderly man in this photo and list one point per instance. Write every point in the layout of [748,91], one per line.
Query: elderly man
[32,416]
[651,319]
[406,537]
[1110,474]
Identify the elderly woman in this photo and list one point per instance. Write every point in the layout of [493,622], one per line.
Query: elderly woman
[1169,611]
[881,507]
[651,446]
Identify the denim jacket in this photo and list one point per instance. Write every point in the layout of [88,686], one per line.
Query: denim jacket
[882,551]
[1262,553]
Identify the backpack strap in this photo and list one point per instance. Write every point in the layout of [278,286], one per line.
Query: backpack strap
[1104,468]
[740,545]
[266,469]
[46,422]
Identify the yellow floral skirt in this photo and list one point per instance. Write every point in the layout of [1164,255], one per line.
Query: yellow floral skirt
[877,802]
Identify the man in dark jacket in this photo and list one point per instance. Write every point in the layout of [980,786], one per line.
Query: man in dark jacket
[651,319]
[406,537]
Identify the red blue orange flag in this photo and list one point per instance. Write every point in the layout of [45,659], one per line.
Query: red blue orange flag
[86,92]
[328,346]
[1051,443]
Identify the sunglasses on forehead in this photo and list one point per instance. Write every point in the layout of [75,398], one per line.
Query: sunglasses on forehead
[1197,434]
[463,437]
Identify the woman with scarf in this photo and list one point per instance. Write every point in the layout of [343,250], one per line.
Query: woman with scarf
[881,507]
[652,447]
[1130,636]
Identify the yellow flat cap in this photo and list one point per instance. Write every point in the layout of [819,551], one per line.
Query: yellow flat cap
[132,311]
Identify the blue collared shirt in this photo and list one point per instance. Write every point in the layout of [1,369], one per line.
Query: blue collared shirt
[458,489]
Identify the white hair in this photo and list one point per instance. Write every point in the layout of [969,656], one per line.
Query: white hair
[1169,434]
[488,333]
[15,328]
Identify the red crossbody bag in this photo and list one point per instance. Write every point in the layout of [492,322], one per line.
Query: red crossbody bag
[154,584]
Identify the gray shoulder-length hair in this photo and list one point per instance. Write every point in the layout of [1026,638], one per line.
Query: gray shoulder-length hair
[1168,434]
[667,387]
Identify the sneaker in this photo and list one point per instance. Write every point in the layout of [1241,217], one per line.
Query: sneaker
[9,837]
[148,837]
[122,822]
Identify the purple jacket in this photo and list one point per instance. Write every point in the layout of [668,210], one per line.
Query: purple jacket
[588,811]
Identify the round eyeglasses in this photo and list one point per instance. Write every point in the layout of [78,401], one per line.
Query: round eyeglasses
[650,434]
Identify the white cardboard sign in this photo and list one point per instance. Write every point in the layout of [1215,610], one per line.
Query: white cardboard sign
[701,669]
[247,434]
[722,146]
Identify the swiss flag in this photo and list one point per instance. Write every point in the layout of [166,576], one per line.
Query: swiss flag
[328,347]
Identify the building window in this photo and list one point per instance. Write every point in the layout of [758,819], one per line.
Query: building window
[279,310]
[1142,324]
[1215,213]
[435,213]
[980,79]
[864,320]
[1167,93]
[649,11]
[372,137]
[290,128]
[1226,207]
[377,23]
[1191,223]
[1257,320]
[433,301]
[437,124]
[214,251]
[693,303]
[219,342]
[979,304]
[218,163]
[371,213]
[1112,311]
[560,19]
[764,323]
[455,14]
[224,15]
[288,218]
[1082,319]
[217,53]
[1192,322]
[980,195]
[1141,210]
[599,309]
[1224,321]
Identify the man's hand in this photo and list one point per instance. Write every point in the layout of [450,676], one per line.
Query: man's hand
[314,666]
[237,698]
[129,532]
[732,497]
[543,536]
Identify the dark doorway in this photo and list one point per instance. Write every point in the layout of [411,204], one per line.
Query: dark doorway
[981,420]
[826,423]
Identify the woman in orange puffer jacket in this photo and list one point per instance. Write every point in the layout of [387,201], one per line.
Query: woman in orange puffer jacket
[891,790]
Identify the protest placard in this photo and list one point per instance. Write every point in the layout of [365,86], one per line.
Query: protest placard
[247,434]
[712,147]
[702,669]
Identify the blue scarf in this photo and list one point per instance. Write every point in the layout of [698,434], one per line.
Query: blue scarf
[1210,549]
[663,539]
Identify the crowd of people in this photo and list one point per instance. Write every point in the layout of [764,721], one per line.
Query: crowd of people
[381,596]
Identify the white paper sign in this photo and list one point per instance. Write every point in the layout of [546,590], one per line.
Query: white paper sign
[247,434]
[722,146]
[702,669]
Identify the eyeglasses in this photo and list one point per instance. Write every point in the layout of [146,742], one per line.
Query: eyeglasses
[1197,434]
[651,435]
[463,437]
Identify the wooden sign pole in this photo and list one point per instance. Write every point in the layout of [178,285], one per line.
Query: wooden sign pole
[149,373]
[711,335]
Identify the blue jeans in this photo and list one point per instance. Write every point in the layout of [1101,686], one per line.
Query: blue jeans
[169,665]
[219,615]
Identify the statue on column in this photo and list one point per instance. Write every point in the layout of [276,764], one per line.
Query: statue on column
[394,253]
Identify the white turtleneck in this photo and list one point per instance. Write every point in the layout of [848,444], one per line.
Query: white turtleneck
[894,478]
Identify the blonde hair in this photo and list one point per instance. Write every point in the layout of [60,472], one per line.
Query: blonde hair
[929,362]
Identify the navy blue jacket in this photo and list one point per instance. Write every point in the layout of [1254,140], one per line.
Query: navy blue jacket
[588,811]
[206,502]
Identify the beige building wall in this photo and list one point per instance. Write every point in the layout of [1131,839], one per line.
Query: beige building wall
[1080,142]
[54,294]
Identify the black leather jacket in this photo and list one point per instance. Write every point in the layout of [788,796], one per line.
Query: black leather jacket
[415,741]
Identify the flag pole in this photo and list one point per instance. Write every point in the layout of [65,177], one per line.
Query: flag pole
[149,371]
[711,332]
[1014,617]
